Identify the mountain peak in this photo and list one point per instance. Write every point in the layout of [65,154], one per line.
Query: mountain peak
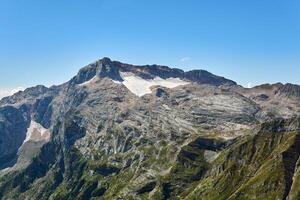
[203,76]
[105,67]
[105,60]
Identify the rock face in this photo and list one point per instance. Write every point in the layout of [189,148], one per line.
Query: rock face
[289,91]
[29,93]
[12,134]
[191,135]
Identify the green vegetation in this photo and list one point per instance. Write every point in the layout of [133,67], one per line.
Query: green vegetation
[259,166]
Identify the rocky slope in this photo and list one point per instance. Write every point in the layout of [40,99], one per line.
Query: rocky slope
[119,131]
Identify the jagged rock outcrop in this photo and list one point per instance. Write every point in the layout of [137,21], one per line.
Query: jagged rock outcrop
[12,134]
[289,91]
[22,96]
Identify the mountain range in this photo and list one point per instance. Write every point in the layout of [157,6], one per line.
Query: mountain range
[121,131]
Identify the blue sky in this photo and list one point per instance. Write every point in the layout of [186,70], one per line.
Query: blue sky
[47,41]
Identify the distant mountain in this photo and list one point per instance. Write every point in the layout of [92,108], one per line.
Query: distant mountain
[112,69]
[120,131]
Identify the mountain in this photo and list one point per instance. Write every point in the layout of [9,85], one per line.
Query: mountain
[120,131]
[113,69]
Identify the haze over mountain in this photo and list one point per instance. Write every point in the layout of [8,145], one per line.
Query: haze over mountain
[120,131]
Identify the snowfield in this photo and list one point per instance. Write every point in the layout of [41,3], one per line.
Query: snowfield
[37,132]
[91,81]
[140,86]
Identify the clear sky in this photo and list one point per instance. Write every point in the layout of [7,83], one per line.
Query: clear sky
[48,41]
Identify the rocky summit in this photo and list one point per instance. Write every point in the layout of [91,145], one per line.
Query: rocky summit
[121,131]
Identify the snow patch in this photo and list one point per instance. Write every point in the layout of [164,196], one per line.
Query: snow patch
[117,82]
[140,86]
[89,82]
[37,132]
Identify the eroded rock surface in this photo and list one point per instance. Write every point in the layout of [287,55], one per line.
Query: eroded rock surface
[172,135]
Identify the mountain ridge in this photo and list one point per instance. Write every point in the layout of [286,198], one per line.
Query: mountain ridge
[89,71]
[95,137]
[106,67]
